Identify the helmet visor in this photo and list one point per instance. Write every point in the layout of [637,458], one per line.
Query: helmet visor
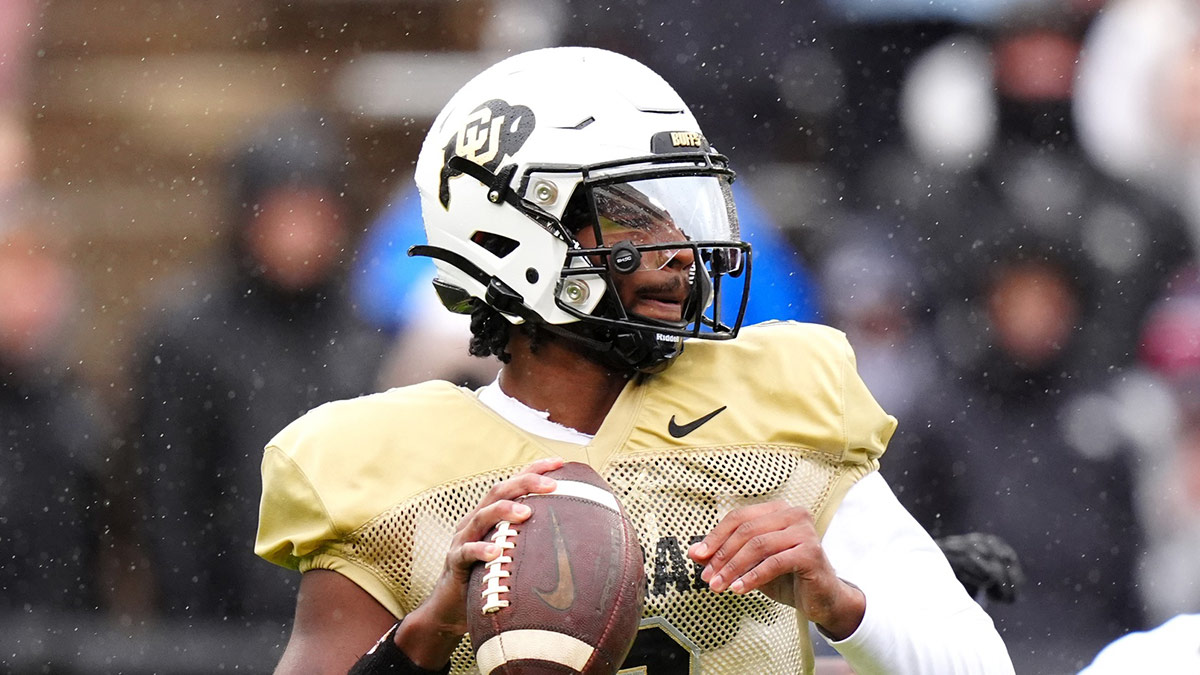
[654,212]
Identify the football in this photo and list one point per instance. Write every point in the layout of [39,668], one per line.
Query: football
[565,595]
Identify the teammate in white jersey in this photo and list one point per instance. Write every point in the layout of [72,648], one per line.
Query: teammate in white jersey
[576,211]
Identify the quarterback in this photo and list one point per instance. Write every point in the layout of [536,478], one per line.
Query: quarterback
[575,210]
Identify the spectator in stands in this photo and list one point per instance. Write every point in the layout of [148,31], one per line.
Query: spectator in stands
[1041,268]
[873,293]
[1047,185]
[258,337]
[1002,447]
[51,432]
[1030,177]
[1138,98]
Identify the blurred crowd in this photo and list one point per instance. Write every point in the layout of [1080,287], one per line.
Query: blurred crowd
[996,201]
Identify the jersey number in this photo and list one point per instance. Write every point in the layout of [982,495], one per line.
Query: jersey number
[659,649]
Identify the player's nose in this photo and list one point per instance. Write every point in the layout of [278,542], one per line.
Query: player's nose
[682,259]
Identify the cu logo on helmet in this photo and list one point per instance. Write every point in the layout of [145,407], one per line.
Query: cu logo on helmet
[491,132]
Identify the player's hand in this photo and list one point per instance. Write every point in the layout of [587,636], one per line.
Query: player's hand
[774,548]
[442,619]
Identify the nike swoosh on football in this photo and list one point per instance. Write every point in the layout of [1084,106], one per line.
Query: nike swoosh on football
[681,430]
[563,595]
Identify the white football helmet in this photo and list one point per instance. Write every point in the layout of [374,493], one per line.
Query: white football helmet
[549,142]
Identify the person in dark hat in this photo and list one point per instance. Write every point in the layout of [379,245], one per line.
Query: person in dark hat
[237,349]
[51,433]
[1007,443]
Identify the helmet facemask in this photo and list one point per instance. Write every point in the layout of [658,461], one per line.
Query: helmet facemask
[664,239]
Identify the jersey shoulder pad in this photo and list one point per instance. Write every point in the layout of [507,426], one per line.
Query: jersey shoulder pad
[363,456]
[795,380]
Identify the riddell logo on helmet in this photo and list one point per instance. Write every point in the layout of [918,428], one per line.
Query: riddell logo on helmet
[492,132]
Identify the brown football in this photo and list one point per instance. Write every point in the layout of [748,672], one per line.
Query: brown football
[565,596]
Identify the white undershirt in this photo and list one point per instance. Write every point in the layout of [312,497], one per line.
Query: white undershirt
[919,619]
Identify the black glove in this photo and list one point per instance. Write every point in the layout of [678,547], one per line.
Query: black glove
[985,564]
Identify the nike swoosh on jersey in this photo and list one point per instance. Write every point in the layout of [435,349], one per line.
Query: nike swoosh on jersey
[681,430]
[563,595]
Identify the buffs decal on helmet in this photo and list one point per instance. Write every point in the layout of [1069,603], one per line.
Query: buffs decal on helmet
[493,131]
[678,141]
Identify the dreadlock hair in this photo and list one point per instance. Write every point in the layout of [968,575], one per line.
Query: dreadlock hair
[490,332]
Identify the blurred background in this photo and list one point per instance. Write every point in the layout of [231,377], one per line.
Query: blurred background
[204,208]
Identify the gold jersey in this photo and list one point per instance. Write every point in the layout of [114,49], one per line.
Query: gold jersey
[372,487]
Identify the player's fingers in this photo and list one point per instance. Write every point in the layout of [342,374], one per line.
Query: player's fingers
[703,551]
[476,525]
[780,517]
[527,481]
[803,555]
[745,544]
[543,465]
[752,553]
[463,557]
[518,486]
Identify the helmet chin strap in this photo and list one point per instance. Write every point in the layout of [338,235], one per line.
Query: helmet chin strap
[625,349]
[644,352]
[622,347]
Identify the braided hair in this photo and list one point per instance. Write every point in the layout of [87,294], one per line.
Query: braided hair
[490,332]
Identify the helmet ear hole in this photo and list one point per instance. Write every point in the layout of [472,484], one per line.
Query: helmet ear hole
[496,244]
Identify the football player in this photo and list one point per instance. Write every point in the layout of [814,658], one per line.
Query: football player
[574,208]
